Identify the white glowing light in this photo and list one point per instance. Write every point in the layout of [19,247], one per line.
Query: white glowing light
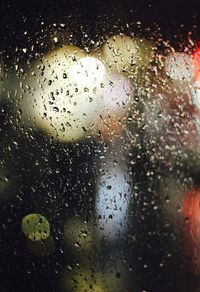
[196,94]
[112,202]
[179,66]
[196,102]
[118,92]
[88,72]
[67,94]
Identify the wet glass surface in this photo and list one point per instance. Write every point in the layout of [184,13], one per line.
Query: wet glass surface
[100,137]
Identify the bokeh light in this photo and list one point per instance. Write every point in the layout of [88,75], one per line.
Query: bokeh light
[35,227]
[66,95]
[81,280]
[124,54]
[179,66]
[118,92]
[79,235]
[191,214]
[112,202]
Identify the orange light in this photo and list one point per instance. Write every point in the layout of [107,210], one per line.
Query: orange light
[109,128]
[191,213]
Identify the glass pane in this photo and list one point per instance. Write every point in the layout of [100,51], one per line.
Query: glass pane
[100,136]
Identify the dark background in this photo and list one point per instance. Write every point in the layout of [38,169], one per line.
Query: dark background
[174,18]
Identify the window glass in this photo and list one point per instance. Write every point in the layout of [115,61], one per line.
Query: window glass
[100,137]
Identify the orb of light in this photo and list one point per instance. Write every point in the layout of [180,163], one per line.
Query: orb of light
[112,202]
[123,53]
[117,96]
[191,211]
[196,63]
[65,100]
[179,66]
[196,93]
[35,227]
[191,226]
[109,128]
[88,73]
[81,279]
[78,234]
[118,91]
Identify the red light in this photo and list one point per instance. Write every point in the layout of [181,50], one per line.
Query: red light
[191,213]
[196,60]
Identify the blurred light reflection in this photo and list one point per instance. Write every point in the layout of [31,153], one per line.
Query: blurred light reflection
[64,95]
[112,201]
[179,66]
[79,235]
[123,54]
[118,91]
[191,213]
